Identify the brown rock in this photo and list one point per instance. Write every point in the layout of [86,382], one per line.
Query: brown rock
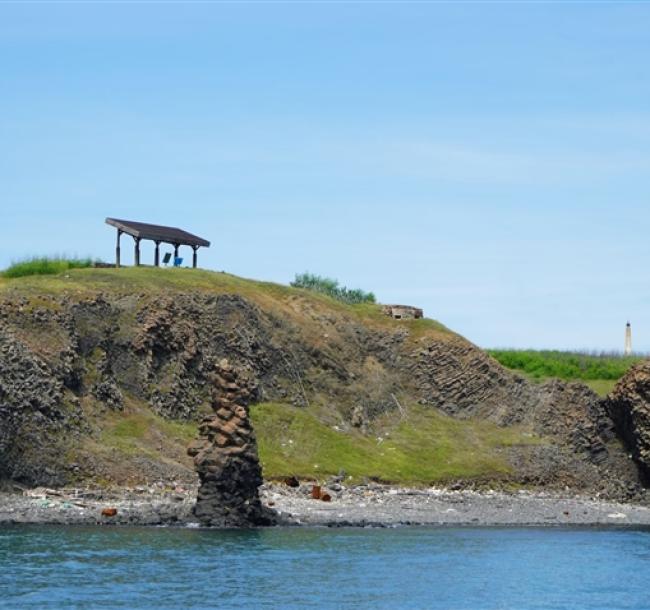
[228,465]
[222,440]
[196,446]
[224,413]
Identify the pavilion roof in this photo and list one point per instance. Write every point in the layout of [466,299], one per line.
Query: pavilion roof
[170,235]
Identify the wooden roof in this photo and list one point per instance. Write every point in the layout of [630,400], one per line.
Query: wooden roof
[170,235]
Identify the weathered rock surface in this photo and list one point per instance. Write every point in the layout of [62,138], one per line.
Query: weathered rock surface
[464,381]
[34,415]
[629,408]
[226,458]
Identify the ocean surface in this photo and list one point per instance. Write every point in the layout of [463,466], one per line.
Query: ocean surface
[460,568]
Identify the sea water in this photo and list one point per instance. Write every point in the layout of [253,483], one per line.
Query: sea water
[45,567]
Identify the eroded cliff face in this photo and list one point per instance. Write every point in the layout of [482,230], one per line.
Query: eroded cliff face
[71,362]
[36,414]
[629,408]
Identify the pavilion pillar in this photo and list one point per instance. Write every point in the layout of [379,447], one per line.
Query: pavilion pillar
[175,253]
[195,256]
[117,248]
[157,255]
[137,251]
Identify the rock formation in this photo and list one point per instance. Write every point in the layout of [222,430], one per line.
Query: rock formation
[34,416]
[629,407]
[225,456]
[78,365]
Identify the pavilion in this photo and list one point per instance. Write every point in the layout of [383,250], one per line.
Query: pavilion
[158,234]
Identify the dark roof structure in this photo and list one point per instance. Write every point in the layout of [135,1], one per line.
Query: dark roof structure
[158,234]
[170,235]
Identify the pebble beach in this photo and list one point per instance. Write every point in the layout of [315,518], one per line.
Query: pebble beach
[353,506]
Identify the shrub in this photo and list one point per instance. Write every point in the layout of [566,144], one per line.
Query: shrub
[45,266]
[330,287]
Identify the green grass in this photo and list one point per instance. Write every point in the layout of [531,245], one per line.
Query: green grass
[282,299]
[599,371]
[332,288]
[137,432]
[141,279]
[45,266]
[566,365]
[602,387]
[426,447]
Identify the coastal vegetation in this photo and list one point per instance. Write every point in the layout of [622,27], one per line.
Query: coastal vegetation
[44,265]
[332,288]
[599,370]
[419,447]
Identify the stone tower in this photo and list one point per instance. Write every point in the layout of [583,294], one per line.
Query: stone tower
[628,339]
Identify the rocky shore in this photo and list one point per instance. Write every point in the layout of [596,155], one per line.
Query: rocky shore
[379,505]
[145,505]
[354,506]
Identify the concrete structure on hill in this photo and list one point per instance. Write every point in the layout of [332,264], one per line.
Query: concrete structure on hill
[402,312]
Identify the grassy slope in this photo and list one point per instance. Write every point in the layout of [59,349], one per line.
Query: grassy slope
[423,447]
[598,371]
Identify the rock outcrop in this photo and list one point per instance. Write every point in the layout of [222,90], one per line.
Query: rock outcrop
[574,412]
[35,417]
[464,381]
[226,458]
[629,408]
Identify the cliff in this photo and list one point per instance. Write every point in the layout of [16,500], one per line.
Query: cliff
[629,407]
[105,374]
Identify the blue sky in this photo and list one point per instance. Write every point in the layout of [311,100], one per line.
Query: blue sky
[489,162]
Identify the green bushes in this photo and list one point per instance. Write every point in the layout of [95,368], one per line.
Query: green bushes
[565,365]
[45,266]
[331,288]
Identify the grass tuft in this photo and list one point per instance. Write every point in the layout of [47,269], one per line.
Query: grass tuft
[45,266]
[330,287]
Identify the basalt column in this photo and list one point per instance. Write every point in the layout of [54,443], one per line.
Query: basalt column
[225,456]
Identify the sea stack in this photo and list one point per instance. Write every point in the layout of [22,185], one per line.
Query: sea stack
[225,456]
